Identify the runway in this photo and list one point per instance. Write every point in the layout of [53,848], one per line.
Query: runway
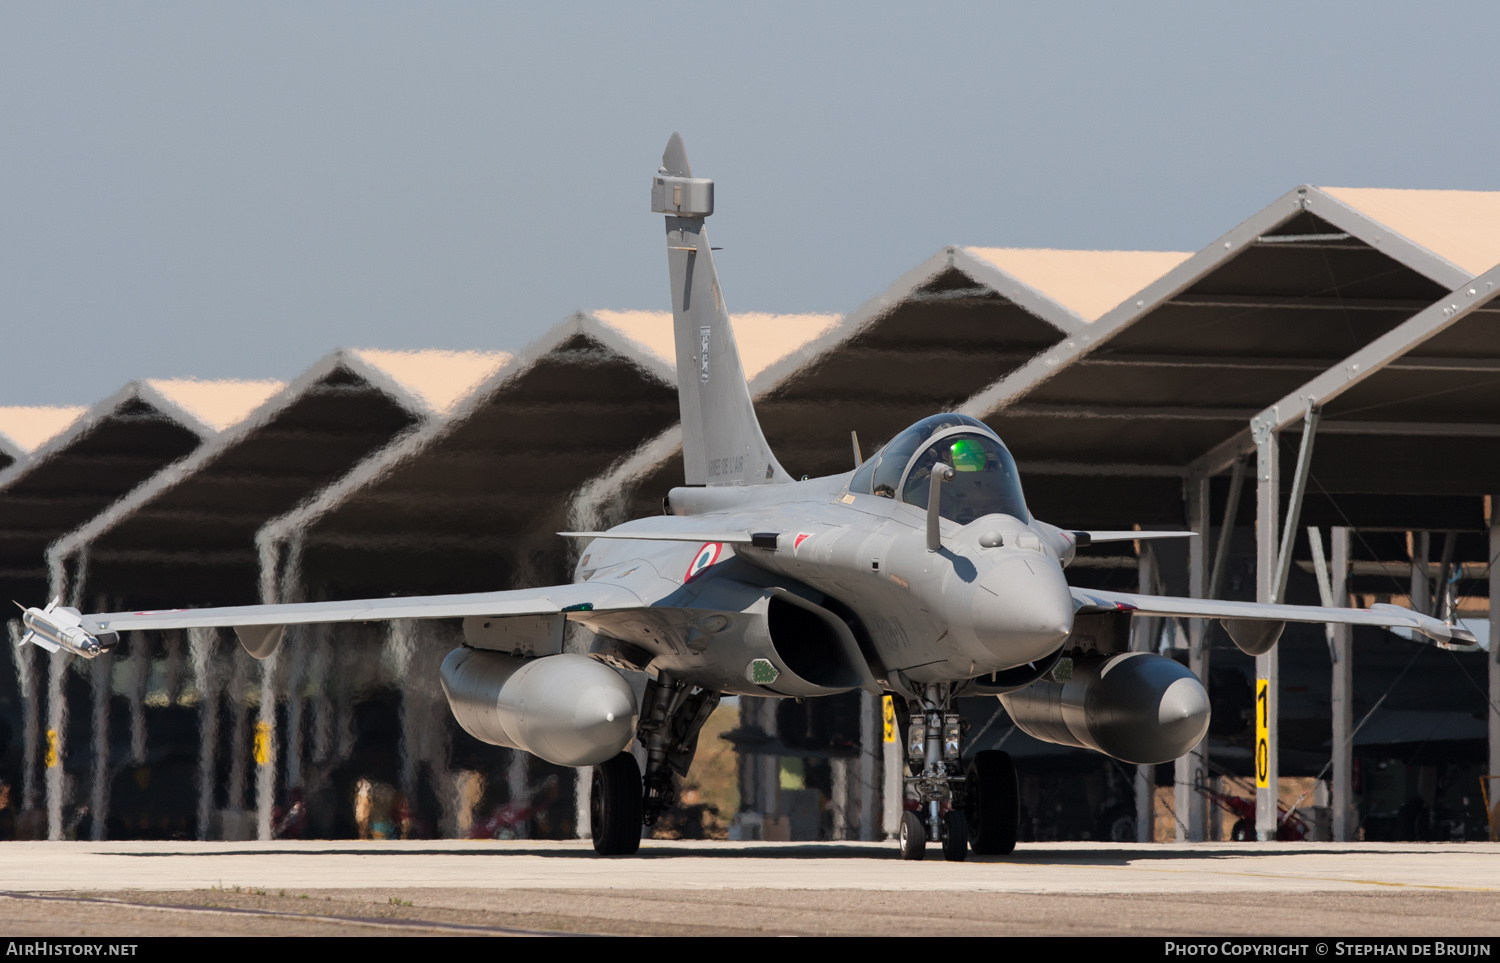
[702,888]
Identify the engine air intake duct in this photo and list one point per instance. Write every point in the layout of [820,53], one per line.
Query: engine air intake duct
[1136,707]
[566,709]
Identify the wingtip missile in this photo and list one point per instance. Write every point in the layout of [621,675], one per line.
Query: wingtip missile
[1444,635]
[58,627]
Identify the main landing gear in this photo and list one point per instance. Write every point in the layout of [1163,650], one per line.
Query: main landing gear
[976,807]
[622,799]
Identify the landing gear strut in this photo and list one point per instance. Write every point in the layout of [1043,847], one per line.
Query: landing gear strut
[976,807]
[671,718]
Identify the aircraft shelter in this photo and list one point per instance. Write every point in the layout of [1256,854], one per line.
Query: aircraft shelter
[1327,365]
[1132,423]
[187,535]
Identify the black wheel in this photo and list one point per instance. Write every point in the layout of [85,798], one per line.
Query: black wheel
[992,803]
[1241,832]
[912,836]
[955,836]
[615,806]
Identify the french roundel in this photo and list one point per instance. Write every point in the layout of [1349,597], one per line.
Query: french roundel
[707,555]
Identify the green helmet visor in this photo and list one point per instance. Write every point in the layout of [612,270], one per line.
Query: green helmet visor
[968,455]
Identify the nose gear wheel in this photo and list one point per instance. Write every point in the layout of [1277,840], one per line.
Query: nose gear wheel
[911,836]
[955,836]
[991,803]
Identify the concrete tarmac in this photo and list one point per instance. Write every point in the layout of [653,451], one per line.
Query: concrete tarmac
[461,887]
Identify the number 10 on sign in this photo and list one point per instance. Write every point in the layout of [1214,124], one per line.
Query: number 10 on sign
[1262,733]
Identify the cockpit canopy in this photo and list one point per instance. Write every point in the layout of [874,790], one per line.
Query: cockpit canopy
[985,481]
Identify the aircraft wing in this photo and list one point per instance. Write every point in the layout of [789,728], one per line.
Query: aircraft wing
[1094,538]
[732,538]
[549,600]
[1386,616]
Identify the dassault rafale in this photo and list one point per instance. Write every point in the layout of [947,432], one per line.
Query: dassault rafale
[920,574]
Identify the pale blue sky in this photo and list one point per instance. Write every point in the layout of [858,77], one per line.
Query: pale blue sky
[222,190]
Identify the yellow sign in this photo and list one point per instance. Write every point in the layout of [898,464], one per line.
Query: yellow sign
[888,710]
[51,748]
[262,743]
[1262,733]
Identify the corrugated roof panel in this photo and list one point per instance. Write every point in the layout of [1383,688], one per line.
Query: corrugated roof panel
[217,404]
[1462,227]
[440,378]
[763,338]
[651,330]
[1088,283]
[31,427]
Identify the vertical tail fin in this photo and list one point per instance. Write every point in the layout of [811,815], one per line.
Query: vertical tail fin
[722,443]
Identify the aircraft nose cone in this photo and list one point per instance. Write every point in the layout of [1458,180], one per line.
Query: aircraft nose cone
[1023,609]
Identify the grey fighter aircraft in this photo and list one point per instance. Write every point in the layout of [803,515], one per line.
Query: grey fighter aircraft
[920,574]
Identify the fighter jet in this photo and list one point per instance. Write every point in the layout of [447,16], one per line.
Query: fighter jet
[919,574]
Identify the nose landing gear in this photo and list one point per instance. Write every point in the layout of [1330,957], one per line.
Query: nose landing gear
[975,808]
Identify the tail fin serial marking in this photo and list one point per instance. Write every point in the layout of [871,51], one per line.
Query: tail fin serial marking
[722,443]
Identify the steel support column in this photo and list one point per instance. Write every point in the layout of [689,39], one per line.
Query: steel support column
[201,645]
[137,677]
[402,642]
[57,741]
[1494,654]
[99,677]
[1421,584]
[1345,817]
[67,584]
[839,794]
[265,746]
[1267,508]
[1333,577]
[893,786]
[296,685]
[1189,803]
[26,676]
[1143,639]
[232,820]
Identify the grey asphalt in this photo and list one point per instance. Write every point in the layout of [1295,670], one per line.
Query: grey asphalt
[455,887]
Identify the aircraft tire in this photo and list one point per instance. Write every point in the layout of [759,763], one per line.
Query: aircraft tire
[992,804]
[615,806]
[912,837]
[955,836]
[1241,832]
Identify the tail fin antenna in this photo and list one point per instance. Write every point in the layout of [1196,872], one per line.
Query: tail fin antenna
[722,443]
